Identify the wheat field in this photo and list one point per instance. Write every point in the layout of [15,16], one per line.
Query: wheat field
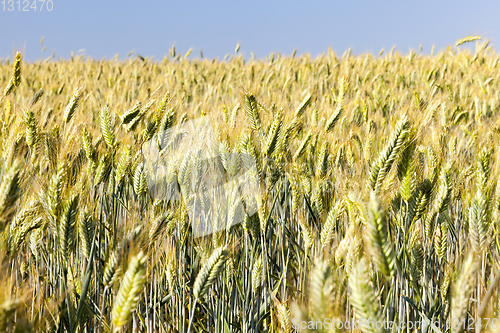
[378,195]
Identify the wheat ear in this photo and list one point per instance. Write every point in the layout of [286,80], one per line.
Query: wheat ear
[387,156]
[284,317]
[478,225]
[9,193]
[252,112]
[15,79]
[67,225]
[107,132]
[379,240]
[302,106]
[129,115]
[466,40]
[442,201]
[363,297]
[462,290]
[320,289]
[130,290]
[332,220]
[209,272]
[72,105]
[257,274]
[302,147]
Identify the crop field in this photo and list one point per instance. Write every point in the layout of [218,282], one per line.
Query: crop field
[366,193]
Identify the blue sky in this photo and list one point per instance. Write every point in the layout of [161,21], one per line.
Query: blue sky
[106,28]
